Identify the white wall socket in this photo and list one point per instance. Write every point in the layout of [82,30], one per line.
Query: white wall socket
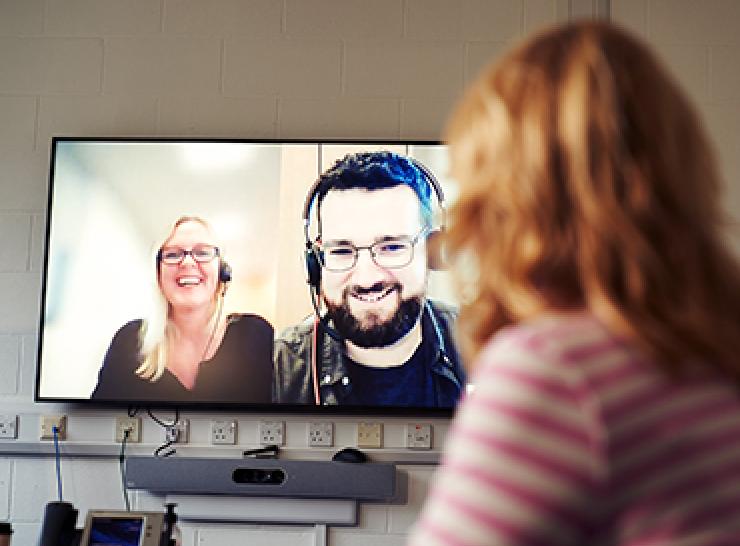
[370,435]
[48,422]
[321,434]
[419,436]
[272,433]
[130,424]
[223,432]
[9,426]
[178,433]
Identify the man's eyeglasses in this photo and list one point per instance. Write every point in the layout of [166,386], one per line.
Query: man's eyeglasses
[173,255]
[391,253]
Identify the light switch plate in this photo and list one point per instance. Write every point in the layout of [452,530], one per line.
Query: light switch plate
[370,435]
[9,427]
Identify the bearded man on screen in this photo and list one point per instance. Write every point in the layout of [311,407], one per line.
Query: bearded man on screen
[381,341]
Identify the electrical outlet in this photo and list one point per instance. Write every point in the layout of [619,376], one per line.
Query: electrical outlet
[369,434]
[272,433]
[178,433]
[419,436]
[223,432]
[48,422]
[130,424]
[9,426]
[320,434]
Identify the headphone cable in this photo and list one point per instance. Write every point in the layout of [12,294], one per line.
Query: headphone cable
[314,365]
[159,452]
[315,338]
[57,457]
[215,327]
[122,468]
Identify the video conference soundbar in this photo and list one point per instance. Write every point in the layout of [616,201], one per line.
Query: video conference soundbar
[264,478]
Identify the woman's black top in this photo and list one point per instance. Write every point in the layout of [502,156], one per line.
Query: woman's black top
[239,372]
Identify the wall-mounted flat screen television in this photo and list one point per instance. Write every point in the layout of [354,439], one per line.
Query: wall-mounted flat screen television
[176,270]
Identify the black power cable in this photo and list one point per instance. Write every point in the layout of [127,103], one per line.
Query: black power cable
[122,466]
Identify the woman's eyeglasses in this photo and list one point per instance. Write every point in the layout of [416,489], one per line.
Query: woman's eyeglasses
[173,255]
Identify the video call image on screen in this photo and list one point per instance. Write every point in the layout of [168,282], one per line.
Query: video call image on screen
[116,531]
[112,204]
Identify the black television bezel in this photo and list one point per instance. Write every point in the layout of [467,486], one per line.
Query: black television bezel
[205,406]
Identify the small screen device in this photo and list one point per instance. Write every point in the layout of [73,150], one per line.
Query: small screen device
[121,528]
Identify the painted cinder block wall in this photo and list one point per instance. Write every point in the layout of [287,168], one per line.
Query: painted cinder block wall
[264,69]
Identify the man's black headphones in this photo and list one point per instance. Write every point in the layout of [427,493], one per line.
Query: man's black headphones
[313,265]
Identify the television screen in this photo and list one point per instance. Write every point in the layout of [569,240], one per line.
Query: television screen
[176,275]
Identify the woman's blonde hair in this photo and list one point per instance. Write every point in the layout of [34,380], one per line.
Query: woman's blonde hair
[157,330]
[587,182]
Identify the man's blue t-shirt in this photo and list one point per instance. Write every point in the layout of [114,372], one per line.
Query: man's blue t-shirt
[410,384]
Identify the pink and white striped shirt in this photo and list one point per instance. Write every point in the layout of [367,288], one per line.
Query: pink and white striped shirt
[572,438]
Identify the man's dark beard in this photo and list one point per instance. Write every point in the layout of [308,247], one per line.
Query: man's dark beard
[377,334]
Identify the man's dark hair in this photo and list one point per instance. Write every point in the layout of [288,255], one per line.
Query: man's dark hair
[376,171]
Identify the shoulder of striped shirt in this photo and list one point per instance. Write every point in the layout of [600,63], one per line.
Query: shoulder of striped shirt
[553,336]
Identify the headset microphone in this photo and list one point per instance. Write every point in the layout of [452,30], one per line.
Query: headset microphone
[322,319]
[322,323]
[336,336]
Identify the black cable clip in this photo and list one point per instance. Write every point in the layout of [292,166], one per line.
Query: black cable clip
[267,452]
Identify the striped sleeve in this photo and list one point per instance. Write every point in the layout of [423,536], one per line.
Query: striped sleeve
[524,459]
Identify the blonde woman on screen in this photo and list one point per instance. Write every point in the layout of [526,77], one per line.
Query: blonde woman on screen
[189,350]
[604,321]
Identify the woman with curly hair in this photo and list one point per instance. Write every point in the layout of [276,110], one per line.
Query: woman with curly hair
[602,314]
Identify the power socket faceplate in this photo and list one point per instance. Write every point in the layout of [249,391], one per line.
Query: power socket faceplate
[223,432]
[178,433]
[9,426]
[321,434]
[369,435]
[419,436]
[272,433]
[130,424]
[48,422]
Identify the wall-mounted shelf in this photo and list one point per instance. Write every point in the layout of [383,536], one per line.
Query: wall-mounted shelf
[19,448]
